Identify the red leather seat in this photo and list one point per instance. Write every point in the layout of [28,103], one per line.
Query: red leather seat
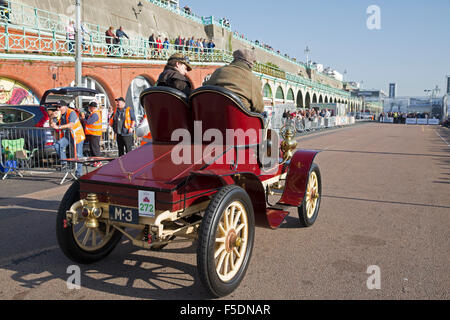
[219,108]
[167,110]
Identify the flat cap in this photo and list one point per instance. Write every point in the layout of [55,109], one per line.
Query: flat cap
[181,58]
[246,55]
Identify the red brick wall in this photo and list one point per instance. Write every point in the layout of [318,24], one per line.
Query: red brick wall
[115,78]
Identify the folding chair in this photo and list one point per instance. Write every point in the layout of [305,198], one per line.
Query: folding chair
[15,156]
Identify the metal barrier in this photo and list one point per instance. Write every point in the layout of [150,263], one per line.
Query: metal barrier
[45,150]
[30,149]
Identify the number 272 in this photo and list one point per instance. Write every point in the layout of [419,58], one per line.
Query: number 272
[146,207]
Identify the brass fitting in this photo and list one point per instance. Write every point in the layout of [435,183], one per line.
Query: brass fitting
[93,210]
[288,145]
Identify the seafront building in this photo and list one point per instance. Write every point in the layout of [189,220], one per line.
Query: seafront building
[37,53]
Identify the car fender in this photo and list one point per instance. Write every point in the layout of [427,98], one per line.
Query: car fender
[297,177]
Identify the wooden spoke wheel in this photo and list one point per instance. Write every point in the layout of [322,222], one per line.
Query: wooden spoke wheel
[81,243]
[226,240]
[309,209]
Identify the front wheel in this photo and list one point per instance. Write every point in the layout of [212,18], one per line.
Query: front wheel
[309,209]
[79,242]
[226,240]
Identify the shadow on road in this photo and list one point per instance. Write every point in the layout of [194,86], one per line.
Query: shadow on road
[32,256]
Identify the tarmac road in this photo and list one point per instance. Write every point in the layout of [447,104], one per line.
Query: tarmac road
[385,203]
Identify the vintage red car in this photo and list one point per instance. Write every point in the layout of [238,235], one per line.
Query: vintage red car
[187,186]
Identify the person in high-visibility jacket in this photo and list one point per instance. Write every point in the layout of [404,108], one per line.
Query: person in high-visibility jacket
[93,130]
[70,132]
[148,137]
[122,121]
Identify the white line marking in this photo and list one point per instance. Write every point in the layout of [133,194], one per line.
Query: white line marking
[442,138]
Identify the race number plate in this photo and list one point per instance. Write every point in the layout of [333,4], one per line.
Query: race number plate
[146,203]
[124,214]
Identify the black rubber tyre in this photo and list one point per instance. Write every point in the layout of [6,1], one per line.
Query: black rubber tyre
[66,238]
[305,219]
[228,197]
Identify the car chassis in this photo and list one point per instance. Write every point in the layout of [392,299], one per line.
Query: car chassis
[214,202]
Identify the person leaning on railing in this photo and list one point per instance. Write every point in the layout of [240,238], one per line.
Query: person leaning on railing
[4,9]
[110,39]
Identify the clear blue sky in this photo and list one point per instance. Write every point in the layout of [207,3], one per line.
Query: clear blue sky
[412,48]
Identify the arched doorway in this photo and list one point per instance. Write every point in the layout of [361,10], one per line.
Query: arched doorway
[300,103]
[290,96]
[279,95]
[267,92]
[91,83]
[138,84]
[307,100]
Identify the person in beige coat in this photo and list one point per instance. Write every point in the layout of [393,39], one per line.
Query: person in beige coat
[239,78]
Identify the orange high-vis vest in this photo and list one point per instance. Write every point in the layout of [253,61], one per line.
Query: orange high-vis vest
[77,131]
[148,137]
[95,129]
[127,122]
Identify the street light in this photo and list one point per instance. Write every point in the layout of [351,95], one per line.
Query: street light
[138,11]
[307,51]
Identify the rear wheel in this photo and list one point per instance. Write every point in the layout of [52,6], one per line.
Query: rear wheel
[226,241]
[79,242]
[309,209]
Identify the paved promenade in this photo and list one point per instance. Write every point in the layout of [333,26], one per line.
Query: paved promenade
[385,203]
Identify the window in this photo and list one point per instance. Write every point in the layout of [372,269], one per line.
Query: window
[280,94]
[13,116]
[290,95]
[267,91]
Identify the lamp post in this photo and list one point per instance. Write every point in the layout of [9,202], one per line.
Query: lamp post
[307,51]
[78,58]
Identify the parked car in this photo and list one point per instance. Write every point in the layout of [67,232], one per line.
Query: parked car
[28,122]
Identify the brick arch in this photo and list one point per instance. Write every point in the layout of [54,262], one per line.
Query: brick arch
[150,78]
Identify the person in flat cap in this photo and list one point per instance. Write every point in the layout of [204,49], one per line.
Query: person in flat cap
[174,73]
[70,134]
[239,78]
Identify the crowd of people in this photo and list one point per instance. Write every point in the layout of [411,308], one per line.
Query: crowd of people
[307,114]
[157,43]
[400,117]
[199,45]
[75,127]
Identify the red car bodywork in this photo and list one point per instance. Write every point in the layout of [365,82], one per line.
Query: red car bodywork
[178,186]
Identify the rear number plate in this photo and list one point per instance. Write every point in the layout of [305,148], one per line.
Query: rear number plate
[124,214]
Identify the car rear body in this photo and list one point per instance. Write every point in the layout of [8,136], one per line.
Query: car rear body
[28,122]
